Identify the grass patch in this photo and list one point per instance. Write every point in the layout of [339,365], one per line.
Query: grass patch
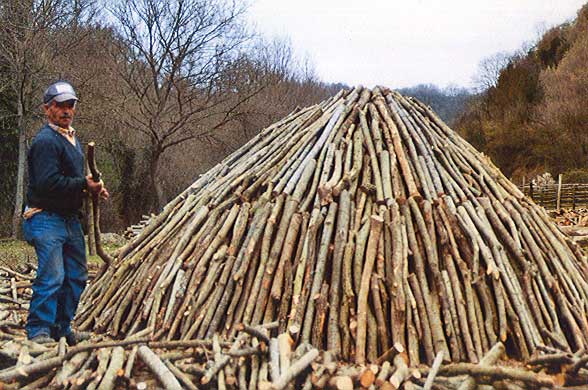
[95,259]
[17,253]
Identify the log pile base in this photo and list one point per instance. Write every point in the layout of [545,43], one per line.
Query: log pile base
[247,363]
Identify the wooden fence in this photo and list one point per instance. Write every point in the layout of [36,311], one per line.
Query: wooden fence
[568,196]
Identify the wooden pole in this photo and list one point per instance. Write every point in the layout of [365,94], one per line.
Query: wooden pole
[90,226]
[96,176]
[89,208]
[558,192]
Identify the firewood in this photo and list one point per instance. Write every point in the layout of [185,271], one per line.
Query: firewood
[491,357]
[254,369]
[340,383]
[182,377]
[367,378]
[360,223]
[274,351]
[83,375]
[165,376]
[103,359]
[497,372]
[114,368]
[433,372]
[70,368]
[295,369]
[401,372]
[258,332]
[285,350]
[374,236]
[39,383]
[24,371]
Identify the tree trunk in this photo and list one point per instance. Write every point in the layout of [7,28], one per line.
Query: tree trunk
[129,196]
[159,200]
[19,197]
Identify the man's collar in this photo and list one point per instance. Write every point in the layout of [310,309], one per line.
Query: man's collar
[68,132]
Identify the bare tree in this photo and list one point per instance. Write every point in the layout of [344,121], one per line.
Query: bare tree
[29,46]
[489,70]
[178,53]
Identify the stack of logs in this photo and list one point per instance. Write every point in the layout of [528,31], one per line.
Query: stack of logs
[253,361]
[358,224]
[567,217]
[15,294]
[134,230]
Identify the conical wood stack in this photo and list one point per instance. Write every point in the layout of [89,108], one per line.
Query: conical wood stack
[360,223]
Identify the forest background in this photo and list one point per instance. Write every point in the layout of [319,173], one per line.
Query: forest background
[168,89]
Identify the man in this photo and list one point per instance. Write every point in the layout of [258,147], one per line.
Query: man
[55,192]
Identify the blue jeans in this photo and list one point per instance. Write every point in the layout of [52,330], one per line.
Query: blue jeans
[61,274]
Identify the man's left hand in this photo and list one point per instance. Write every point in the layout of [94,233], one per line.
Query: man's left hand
[104,194]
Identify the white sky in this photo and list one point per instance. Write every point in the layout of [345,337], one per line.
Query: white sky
[401,43]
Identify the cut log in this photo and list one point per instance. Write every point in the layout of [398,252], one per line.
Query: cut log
[165,376]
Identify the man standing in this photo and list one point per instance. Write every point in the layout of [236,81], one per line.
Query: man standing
[55,192]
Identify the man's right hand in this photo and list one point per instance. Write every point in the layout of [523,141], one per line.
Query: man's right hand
[92,186]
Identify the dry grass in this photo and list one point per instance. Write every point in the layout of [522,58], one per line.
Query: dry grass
[17,254]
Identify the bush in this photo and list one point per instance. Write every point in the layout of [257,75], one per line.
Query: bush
[579,175]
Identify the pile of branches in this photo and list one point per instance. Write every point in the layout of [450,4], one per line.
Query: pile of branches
[15,294]
[133,231]
[576,217]
[253,361]
[359,223]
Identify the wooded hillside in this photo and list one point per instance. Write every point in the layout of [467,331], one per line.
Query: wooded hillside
[533,117]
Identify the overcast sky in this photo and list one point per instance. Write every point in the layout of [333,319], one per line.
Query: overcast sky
[400,43]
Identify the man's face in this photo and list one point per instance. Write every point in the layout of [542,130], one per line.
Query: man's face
[61,113]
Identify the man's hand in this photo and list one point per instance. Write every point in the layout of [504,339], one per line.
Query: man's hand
[104,194]
[92,186]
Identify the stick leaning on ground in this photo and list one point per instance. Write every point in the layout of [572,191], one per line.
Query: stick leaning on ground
[96,177]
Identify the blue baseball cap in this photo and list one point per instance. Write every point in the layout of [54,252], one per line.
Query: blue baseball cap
[60,91]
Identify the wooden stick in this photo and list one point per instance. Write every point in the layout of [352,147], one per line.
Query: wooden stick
[497,372]
[295,369]
[103,359]
[69,368]
[96,177]
[165,376]
[274,350]
[181,376]
[116,363]
[433,372]
[401,372]
[371,251]
[285,349]
[131,362]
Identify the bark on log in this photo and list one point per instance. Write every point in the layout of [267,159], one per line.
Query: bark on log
[165,376]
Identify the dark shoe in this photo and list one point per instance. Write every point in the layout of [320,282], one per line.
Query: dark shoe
[75,337]
[42,338]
